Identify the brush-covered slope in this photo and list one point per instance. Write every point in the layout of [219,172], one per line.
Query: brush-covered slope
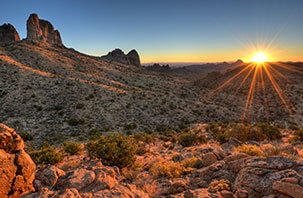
[52,92]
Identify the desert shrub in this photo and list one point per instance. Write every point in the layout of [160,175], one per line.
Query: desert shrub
[75,122]
[246,133]
[162,128]
[26,136]
[166,169]
[130,126]
[79,106]
[252,150]
[144,137]
[47,155]
[201,139]
[272,132]
[219,185]
[243,132]
[114,150]
[94,134]
[72,148]
[187,139]
[298,135]
[193,162]
[273,150]
[141,149]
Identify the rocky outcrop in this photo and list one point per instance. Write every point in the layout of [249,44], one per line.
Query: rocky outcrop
[268,176]
[16,167]
[91,180]
[42,30]
[132,58]
[8,34]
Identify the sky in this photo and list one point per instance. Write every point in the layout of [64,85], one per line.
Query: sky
[171,30]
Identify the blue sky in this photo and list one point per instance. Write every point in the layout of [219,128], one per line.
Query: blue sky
[170,30]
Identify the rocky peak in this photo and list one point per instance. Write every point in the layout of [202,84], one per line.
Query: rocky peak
[42,30]
[132,58]
[239,62]
[8,34]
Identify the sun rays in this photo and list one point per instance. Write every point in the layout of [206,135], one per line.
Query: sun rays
[261,77]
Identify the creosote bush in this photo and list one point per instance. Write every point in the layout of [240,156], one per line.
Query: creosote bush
[252,150]
[189,139]
[47,155]
[26,136]
[166,169]
[243,132]
[114,150]
[298,135]
[72,148]
[144,137]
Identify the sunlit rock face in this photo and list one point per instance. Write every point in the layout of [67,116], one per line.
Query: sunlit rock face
[8,34]
[16,167]
[132,58]
[42,30]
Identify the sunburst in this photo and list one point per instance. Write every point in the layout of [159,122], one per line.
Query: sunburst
[258,69]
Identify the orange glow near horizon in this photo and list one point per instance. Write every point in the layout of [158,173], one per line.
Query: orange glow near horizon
[261,72]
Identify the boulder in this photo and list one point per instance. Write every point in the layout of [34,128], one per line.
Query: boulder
[46,193]
[79,179]
[42,30]
[16,167]
[8,34]
[259,174]
[287,188]
[121,190]
[49,175]
[209,158]
[177,186]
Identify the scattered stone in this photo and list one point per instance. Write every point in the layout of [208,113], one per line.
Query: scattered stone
[209,158]
[177,187]
[78,179]
[290,189]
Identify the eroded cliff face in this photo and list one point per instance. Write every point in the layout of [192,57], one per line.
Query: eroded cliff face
[42,30]
[8,34]
[16,167]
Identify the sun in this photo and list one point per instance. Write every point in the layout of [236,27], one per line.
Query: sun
[259,57]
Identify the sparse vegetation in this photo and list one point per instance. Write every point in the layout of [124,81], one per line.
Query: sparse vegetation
[26,136]
[166,169]
[72,148]
[252,150]
[244,132]
[114,150]
[189,139]
[47,155]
